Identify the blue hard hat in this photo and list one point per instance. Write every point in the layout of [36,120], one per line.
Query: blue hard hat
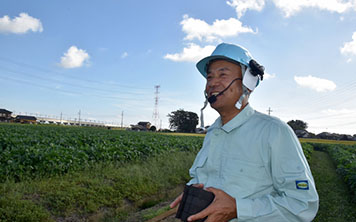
[227,52]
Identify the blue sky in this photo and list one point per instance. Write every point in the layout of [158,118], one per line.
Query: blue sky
[105,57]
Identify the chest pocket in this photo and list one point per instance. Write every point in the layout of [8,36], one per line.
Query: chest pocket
[245,178]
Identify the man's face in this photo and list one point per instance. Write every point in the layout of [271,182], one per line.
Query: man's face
[220,73]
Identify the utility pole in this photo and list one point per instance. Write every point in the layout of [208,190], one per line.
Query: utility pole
[269,110]
[122,119]
[61,118]
[79,118]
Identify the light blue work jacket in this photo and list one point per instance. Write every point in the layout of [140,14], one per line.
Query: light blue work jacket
[258,160]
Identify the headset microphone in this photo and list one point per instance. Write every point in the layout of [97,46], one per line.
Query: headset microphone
[212,99]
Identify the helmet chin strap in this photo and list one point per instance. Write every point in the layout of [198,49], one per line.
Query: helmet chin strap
[245,93]
[201,113]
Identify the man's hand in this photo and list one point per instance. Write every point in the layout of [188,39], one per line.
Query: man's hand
[179,198]
[223,208]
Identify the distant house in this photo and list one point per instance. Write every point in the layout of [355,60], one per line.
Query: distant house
[5,115]
[25,119]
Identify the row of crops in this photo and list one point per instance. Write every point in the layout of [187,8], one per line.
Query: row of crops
[344,157]
[28,151]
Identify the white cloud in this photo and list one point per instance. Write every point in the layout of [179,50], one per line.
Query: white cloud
[192,53]
[124,55]
[292,7]
[241,6]
[315,83]
[269,76]
[20,25]
[199,29]
[74,58]
[349,48]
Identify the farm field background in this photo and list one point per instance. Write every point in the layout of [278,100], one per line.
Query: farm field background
[56,173]
[39,151]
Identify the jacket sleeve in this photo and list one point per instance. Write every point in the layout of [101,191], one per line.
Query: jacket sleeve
[199,161]
[294,197]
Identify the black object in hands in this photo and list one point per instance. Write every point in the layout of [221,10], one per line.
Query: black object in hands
[193,201]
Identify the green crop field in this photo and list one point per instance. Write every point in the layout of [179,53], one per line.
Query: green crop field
[29,151]
[62,173]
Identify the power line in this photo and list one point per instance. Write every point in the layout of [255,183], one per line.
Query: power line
[47,71]
[69,83]
[327,117]
[341,124]
[337,98]
[346,92]
[31,84]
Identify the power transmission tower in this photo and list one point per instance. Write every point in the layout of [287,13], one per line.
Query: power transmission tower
[269,110]
[155,113]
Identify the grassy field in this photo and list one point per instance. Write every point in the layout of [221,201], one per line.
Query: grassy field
[102,193]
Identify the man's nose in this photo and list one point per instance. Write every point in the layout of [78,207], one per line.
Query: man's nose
[213,81]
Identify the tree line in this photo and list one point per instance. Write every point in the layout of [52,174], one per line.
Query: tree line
[186,121]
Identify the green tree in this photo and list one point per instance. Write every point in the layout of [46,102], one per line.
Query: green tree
[183,121]
[297,125]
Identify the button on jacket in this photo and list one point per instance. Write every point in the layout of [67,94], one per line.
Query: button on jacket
[258,160]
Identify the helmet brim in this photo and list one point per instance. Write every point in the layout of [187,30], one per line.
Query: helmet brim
[202,64]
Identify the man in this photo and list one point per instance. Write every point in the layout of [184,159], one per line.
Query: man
[253,163]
